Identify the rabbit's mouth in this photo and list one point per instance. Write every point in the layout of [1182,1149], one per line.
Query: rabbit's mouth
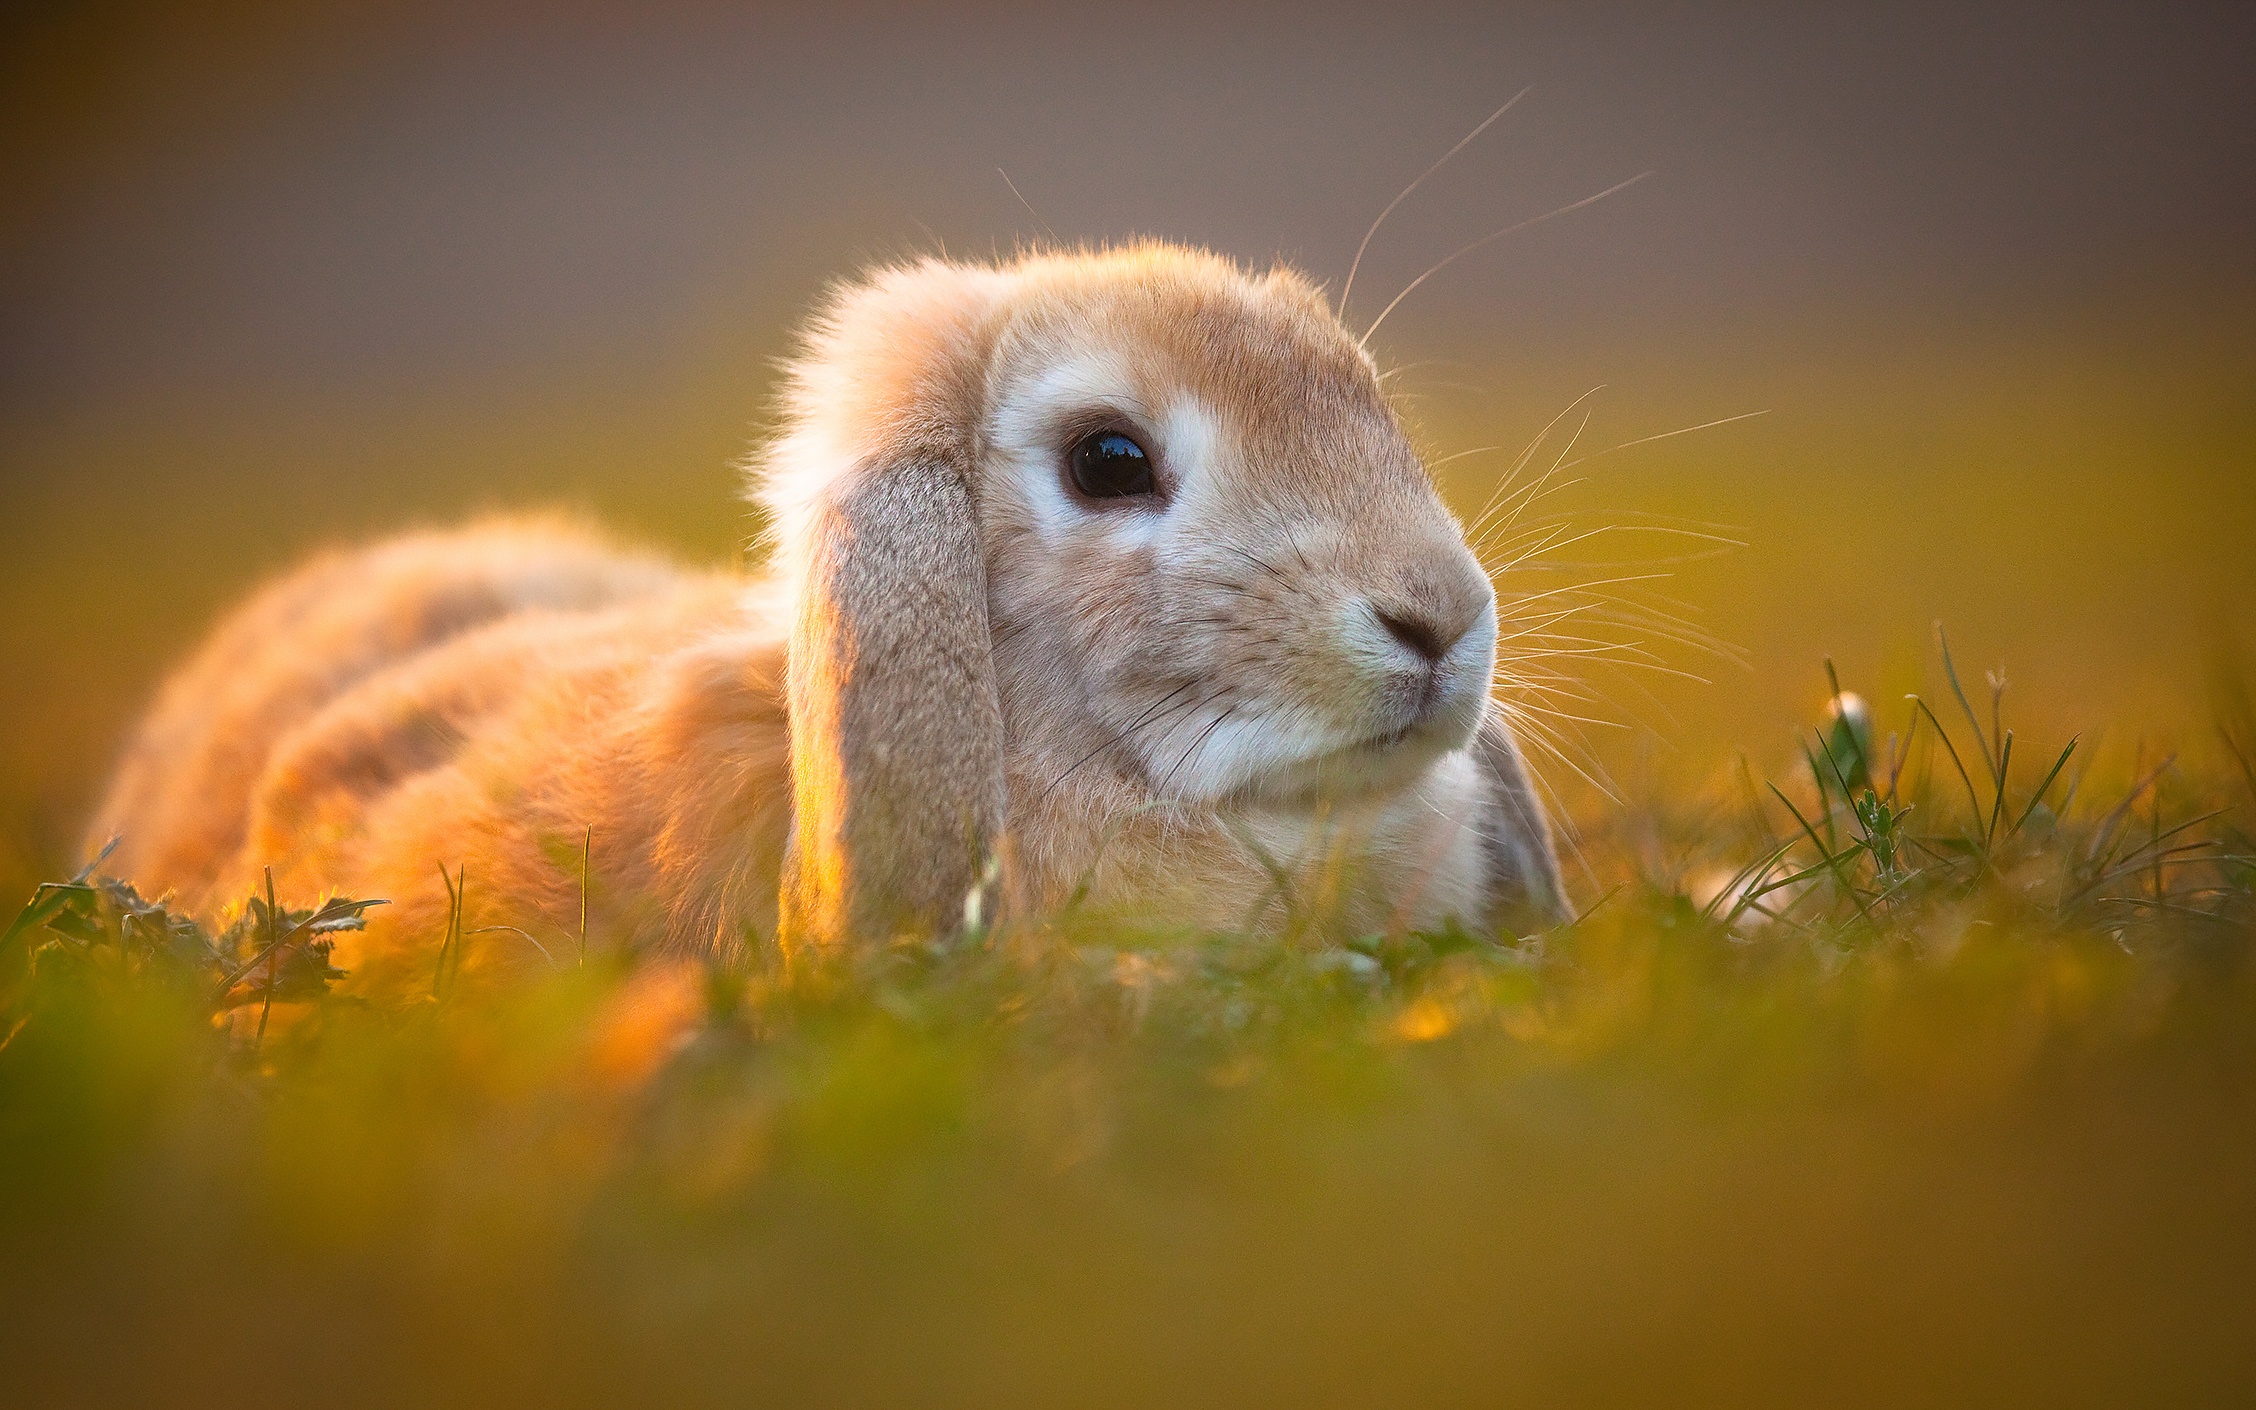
[1441,716]
[1432,733]
[1375,763]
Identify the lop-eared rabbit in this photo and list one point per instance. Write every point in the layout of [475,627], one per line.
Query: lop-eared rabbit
[1102,575]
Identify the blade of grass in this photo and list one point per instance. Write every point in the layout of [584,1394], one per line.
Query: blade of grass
[1831,862]
[447,941]
[2103,835]
[1863,835]
[1754,802]
[333,909]
[1897,761]
[2232,746]
[86,873]
[1598,905]
[49,897]
[1997,804]
[1743,880]
[1840,716]
[1782,882]
[523,935]
[1824,793]
[2130,862]
[274,959]
[47,901]
[2154,845]
[1997,714]
[2149,903]
[1973,800]
[2154,814]
[2043,788]
[1950,670]
[461,917]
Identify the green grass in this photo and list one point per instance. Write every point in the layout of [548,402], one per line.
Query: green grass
[1928,1076]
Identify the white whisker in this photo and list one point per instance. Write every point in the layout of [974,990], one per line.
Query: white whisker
[1492,236]
[1670,435]
[1462,143]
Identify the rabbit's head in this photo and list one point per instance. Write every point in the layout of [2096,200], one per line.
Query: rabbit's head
[1135,503]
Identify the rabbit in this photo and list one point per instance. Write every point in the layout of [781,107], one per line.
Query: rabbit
[1106,578]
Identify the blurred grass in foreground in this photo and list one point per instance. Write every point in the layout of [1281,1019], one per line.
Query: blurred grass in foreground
[1826,1100]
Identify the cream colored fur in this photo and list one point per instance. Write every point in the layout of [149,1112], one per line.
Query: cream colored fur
[947,657]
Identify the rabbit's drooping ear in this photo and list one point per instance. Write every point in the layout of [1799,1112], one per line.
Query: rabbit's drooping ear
[896,725]
[1524,887]
[896,729]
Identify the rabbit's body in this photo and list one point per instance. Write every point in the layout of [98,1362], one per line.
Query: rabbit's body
[1248,681]
[476,699]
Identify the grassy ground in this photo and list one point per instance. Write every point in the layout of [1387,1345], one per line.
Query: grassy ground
[1928,1076]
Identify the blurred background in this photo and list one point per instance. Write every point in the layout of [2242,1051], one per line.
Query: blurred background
[278,276]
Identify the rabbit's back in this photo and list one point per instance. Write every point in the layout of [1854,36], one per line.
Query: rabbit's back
[346,626]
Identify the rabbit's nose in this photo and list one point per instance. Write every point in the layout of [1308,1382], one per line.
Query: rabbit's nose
[1430,624]
[1419,631]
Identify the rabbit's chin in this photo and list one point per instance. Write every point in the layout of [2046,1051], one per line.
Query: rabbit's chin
[1373,767]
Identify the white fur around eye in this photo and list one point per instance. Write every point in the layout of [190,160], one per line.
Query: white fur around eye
[1194,441]
[1187,438]
[1024,432]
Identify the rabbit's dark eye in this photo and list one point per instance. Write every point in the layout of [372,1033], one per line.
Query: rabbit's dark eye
[1108,465]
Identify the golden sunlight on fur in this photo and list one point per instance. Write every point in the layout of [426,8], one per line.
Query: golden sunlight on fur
[1245,678]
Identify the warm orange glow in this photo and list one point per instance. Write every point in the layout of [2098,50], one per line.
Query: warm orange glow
[644,1023]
